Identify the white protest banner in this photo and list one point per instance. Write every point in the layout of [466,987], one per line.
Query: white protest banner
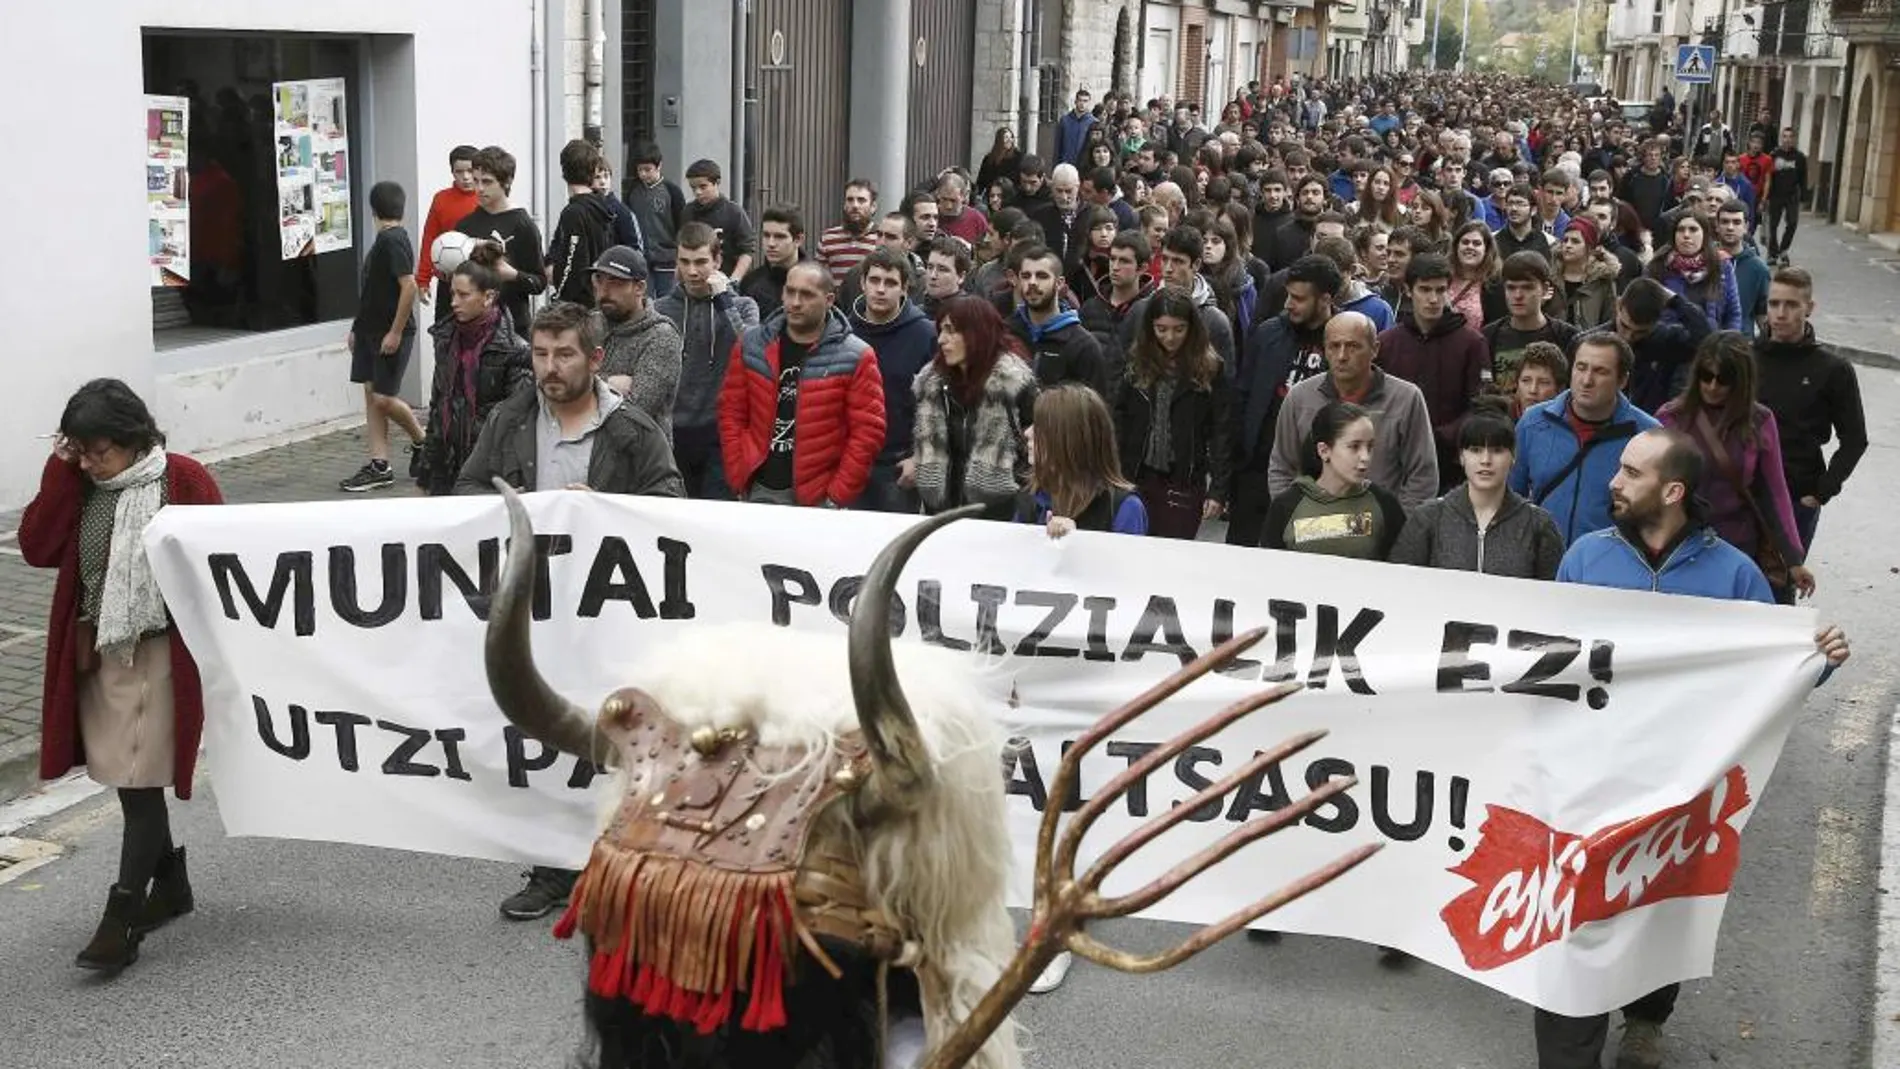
[1560,774]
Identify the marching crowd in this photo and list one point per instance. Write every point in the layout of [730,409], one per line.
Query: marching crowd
[1451,321]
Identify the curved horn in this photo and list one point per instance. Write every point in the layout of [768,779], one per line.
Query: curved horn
[508,652]
[883,711]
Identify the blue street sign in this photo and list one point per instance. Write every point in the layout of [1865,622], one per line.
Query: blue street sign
[1695,64]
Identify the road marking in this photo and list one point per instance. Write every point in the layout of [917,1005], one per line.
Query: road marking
[21,856]
[1859,718]
[61,794]
[1836,868]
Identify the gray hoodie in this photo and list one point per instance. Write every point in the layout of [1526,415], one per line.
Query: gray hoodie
[646,348]
[709,328]
[1522,542]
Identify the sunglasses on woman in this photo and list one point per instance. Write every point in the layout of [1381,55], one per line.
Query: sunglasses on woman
[1720,378]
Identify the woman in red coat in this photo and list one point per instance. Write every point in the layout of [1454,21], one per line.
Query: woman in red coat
[122,695]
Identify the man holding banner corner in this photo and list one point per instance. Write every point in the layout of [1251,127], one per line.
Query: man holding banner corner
[571,432]
[1661,541]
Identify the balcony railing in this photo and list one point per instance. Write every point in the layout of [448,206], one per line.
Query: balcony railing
[1873,21]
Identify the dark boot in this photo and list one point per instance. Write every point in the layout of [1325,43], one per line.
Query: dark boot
[171,893]
[116,944]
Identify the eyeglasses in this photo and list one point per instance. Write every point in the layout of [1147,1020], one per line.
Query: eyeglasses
[1720,378]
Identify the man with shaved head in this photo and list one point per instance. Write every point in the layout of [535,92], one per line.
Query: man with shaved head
[1404,459]
[1660,540]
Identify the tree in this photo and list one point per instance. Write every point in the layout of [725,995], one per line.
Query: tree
[1451,38]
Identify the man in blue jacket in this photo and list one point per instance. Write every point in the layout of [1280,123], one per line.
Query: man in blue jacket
[1568,447]
[1072,131]
[1661,542]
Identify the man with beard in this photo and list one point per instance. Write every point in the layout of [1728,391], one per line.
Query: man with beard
[904,340]
[642,347]
[568,433]
[1060,349]
[710,318]
[801,413]
[1105,311]
[1286,350]
[1661,541]
[843,247]
[782,244]
[1646,189]
[1269,215]
[1293,238]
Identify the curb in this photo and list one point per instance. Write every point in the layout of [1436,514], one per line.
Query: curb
[1887,921]
[1866,357]
[19,767]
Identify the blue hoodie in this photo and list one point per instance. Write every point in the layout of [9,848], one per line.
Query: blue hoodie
[1701,565]
[903,346]
[1577,497]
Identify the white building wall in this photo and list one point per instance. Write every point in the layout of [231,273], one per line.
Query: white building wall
[86,310]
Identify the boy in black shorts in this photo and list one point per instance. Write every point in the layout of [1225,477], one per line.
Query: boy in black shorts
[383,335]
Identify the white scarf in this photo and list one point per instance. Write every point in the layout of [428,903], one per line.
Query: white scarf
[131,605]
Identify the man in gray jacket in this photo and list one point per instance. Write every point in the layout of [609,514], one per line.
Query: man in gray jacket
[710,318]
[642,362]
[1404,453]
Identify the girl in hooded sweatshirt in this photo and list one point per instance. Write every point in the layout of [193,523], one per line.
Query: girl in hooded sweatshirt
[1332,507]
[1482,526]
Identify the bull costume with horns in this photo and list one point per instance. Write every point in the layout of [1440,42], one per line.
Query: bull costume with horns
[800,839]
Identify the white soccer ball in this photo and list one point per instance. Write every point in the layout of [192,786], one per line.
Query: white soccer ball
[450,251]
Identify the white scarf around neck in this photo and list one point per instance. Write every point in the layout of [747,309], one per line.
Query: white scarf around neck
[130,604]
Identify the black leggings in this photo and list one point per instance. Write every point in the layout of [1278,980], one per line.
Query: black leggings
[148,834]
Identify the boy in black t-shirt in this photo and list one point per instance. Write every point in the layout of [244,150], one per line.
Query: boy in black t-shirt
[511,244]
[383,335]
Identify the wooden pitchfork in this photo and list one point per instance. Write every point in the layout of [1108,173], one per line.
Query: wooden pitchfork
[1065,903]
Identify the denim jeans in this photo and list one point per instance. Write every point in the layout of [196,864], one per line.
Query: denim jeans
[1805,521]
[882,494]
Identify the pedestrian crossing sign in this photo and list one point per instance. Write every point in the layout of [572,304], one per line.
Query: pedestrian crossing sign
[1695,64]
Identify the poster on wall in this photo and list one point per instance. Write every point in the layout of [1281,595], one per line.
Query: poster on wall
[168,189]
[313,166]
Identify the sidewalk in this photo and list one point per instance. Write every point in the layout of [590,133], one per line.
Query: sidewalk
[1856,291]
[302,471]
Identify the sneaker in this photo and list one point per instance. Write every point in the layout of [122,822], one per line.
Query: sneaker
[1053,974]
[416,464]
[369,477]
[1262,935]
[547,891]
[1641,1047]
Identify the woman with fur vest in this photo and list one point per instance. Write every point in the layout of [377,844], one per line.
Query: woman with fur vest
[975,399]
[1585,277]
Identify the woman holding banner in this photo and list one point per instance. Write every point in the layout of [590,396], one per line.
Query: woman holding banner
[121,691]
[1075,475]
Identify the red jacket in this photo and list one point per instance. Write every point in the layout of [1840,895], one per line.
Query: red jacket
[449,207]
[840,424]
[49,538]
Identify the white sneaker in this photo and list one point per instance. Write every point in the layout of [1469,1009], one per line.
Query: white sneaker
[1053,974]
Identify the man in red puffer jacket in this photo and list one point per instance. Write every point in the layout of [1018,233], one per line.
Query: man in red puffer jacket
[801,413]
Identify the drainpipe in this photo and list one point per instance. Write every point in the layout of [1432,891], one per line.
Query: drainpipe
[537,109]
[1840,137]
[745,100]
[596,70]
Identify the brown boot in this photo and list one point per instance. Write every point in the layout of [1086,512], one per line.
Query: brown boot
[170,895]
[116,944]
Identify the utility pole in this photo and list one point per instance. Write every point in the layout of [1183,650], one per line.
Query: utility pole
[1464,37]
[1438,16]
[1576,21]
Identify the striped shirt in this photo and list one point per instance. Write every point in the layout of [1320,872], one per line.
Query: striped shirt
[840,250]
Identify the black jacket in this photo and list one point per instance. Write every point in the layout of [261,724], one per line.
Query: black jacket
[1103,318]
[1277,356]
[1200,432]
[630,455]
[1664,357]
[459,409]
[1815,395]
[1292,239]
[1062,350]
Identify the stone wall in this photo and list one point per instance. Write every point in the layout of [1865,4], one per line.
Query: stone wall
[1088,44]
[997,82]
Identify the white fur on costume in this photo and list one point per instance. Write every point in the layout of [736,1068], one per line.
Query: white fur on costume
[940,870]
